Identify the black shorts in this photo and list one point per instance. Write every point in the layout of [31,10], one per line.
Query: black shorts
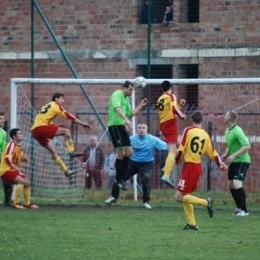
[119,136]
[237,171]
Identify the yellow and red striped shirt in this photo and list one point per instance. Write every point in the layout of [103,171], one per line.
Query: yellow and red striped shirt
[48,112]
[196,142]
[13,153]
[168,108]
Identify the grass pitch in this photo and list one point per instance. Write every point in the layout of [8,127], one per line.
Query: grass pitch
[127,231]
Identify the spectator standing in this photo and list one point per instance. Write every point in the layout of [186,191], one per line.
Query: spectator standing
[237,156]
[94,162]
[109,167]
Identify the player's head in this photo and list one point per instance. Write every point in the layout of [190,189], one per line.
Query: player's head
[2,119]
[197,117]
[141,129]
[230,117]
[58,97]
[16,134]
[128,88]
[166,85]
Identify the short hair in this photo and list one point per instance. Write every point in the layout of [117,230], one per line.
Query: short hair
[57,95]
[13,132]
[127,84]
[233,116]
[166,85]
[197,117]
[2,113]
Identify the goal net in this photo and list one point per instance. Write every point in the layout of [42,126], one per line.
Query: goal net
[88,99]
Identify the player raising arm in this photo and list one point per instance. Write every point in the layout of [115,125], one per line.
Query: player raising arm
[43,129]
[195,142]
[169,111]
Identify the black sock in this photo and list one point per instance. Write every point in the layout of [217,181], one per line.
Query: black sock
[115,191]
[233,193]
[241,197]
[119,169]
[8,189]
[125,162]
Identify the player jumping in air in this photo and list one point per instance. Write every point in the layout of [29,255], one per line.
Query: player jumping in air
[43,129]
[169,110]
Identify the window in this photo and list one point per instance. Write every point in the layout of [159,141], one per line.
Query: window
[191,92]
[190,10]
[157,10]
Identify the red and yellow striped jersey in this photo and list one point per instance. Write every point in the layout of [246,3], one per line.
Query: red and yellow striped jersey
[13,153]
[168,108]
[196,142]
[48,112]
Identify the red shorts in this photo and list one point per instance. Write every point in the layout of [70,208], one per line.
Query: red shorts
[9,176]
[169,130]
[43,134]
[189,177]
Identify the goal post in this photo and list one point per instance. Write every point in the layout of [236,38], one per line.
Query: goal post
[214,98]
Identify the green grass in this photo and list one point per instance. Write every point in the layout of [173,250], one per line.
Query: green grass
[127,231]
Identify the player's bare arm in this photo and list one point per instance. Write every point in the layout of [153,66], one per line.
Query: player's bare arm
[233,156]
[141,105]
[85,125]
[122,115]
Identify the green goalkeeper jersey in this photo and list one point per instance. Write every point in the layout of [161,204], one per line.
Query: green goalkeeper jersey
[118,99]
[235,139]
[2,141]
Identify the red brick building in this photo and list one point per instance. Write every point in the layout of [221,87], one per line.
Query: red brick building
[105,39]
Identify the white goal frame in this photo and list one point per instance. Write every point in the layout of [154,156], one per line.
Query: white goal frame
[202,81]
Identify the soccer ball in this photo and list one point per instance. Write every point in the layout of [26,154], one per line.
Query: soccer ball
[140,82]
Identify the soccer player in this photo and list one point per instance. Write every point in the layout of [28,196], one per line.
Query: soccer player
[43,129]
[141,162]
[169,111]
[118,118]
[237,156]
[11,172]
[194,143]
[8,188]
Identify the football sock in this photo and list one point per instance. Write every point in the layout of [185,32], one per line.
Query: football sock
[115,191]
[119,169]
[62,165]
[27,196]
[194,200]
[233,193]
[241,198]
[8,189]
[189,212]
[18,193]
[125,165]
[169,164]
[69,145]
